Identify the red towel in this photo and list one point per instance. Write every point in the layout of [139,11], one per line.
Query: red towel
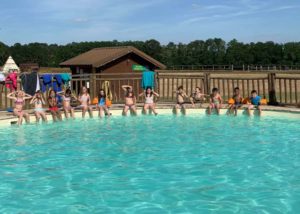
[13,79]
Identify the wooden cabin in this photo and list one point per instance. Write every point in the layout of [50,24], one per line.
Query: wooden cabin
[111,60]
[112,64]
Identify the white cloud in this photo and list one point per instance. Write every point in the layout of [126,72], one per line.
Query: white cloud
[219,12]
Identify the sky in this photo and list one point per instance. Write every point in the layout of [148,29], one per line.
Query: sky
[66,21]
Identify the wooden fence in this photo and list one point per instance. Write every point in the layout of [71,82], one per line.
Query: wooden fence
[276,86]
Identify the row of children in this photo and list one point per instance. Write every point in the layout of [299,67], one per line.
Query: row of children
[103,103]
[216,101]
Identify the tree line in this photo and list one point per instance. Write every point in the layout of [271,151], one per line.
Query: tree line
[199,52]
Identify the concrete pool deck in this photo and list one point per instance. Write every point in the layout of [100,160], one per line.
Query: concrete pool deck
[6,118]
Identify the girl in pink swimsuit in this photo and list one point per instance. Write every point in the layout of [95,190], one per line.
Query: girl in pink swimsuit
[130,100]
[215,101]
[67,97]
[85,102]
[20,97]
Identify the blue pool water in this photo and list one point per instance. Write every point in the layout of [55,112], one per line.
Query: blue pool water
[164,164]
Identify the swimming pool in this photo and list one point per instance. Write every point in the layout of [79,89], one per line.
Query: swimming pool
[147,164]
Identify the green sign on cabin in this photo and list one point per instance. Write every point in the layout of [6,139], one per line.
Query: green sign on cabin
[138,68]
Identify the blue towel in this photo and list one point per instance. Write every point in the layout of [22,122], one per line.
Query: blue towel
[56,85]
[66,78]
[58,79]
[46,83]
[148,79]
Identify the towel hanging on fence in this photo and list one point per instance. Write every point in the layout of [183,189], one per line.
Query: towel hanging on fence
[12,77]
[66,78]
[107,91]
[29,82]
[47,82]
[38,83]
[56,85]
[148,79]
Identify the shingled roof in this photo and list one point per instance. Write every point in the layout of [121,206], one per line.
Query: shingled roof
[98,57]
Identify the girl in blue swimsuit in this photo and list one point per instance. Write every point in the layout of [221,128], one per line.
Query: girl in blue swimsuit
[102,107]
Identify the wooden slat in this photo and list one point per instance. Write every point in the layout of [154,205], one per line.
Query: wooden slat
[5,98]
[243,86]
[223,86]
[264,88]
[285,91]
[291,93]
[248,86]
[280,90]
[296,91]
[228,90]
[119,91]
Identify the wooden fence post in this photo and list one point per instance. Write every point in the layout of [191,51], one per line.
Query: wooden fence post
[92,80]
[156,81]
[272,89]
[206,83]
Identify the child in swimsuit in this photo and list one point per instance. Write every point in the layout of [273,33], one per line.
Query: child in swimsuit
[130,100]
[237,101]
[255,102]
[38,102]
[197,96]
[52,102]
[149,100]
[215,101]
[102,104]
[180,95]
[67,97]
[19,97]
[85,102]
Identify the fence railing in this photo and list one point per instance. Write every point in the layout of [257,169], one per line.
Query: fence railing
[276,86]
[236,67]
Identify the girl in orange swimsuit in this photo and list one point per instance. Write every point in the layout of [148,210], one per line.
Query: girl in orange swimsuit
[20,97]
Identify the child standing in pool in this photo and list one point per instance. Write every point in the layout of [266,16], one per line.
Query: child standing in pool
[38,102]
[130,100]
[238,101]
[180,96]
[20,97]
[53,108]
[102,107]
[85,102]
[255,103]
[149,100]
[215,101]
[67,97]
[197,96]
